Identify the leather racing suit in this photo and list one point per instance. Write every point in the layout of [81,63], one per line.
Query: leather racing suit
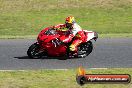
[76,32]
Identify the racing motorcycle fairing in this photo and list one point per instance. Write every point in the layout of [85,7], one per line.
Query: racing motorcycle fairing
[49,41]
[90,35]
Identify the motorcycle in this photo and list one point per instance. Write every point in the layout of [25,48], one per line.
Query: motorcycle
[49,44]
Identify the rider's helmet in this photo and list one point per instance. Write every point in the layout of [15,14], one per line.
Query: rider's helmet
[70,20]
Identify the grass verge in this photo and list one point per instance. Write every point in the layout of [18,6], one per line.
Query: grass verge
[56,78]
[28,17]
[120,35]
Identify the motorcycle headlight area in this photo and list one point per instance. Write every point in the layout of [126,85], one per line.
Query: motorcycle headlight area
[56,42]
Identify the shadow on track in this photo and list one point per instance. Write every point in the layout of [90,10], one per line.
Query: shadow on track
[59,58]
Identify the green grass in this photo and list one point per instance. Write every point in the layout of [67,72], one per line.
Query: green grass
[28,17]
[55,78]
[113,35]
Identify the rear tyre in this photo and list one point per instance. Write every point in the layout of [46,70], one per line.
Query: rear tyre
[33,51]
[89,47]
[85,49]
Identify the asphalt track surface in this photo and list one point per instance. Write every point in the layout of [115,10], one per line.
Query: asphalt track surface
[107,53]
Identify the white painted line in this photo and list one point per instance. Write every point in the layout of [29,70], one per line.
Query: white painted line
[33,70]
[11,70]
[47,69]
[57,69]
[98,68]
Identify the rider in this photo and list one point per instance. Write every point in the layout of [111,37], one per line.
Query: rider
[74,31]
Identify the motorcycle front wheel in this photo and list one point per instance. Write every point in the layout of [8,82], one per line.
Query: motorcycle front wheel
[34,51]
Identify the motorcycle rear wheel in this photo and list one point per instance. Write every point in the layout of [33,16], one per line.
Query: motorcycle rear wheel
[85,49]
[33,51]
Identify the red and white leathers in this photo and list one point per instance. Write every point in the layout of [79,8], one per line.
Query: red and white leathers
[76,32]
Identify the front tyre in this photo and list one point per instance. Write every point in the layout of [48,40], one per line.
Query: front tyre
[34,51]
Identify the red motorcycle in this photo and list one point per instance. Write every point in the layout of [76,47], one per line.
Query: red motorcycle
[49,44]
